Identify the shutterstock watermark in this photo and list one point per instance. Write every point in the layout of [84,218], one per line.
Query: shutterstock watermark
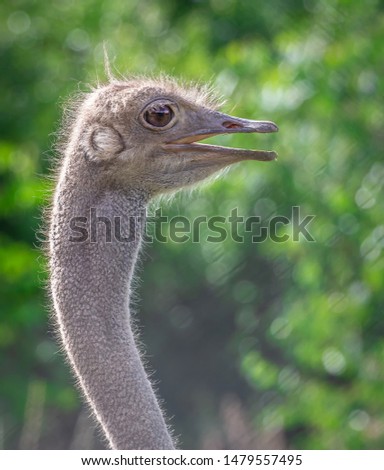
[181,229]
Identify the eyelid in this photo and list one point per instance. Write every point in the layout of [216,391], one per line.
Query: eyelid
[161,101]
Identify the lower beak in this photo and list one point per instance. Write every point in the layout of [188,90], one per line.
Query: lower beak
[217,123]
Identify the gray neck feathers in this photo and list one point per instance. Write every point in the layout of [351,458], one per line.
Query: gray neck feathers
[90,280]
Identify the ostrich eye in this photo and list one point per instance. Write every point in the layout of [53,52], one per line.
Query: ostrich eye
[158,115]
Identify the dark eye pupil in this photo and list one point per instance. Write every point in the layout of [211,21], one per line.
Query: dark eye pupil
[159,115]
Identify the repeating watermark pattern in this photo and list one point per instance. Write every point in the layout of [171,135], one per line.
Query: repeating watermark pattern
[180,229]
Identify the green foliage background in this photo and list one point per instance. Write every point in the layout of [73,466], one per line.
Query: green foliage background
[270,345]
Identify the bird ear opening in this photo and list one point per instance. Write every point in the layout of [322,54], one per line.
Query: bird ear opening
[106,143]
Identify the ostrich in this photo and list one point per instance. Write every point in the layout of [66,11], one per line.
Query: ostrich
[125,143]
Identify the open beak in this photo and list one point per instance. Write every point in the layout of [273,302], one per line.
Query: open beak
[213,124]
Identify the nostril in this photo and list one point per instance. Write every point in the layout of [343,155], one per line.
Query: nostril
[231,125]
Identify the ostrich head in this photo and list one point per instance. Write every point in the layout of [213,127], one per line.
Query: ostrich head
[128,141]
[145,133]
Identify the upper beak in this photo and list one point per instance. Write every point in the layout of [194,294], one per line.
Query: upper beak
[213,124]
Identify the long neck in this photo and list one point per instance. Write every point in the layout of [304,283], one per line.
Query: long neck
[92,261]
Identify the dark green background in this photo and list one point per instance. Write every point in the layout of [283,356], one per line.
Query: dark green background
[270,345]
